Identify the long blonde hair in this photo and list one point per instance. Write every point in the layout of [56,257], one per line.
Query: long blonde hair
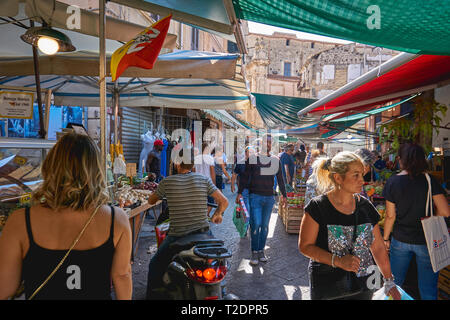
[73,175]
[327,167]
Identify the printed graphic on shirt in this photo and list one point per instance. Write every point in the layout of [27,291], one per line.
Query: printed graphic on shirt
[340,243]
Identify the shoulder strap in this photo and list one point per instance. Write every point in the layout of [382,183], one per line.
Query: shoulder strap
[111,232]
[429,205]
[28,223]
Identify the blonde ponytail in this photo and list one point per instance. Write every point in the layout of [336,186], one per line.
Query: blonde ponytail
[325,169]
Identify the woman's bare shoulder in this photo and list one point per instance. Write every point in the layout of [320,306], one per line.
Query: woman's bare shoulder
[121,217]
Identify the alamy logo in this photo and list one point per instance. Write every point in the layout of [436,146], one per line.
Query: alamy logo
[73,21]
[374,21]
[74,280]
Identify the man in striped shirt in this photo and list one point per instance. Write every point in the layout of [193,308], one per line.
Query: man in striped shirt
[186,194]
[258,177]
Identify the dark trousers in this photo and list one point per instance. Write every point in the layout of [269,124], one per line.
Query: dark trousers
[219,182]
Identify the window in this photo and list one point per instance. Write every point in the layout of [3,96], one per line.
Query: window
[194,39]
[287,42]
[232,47]
[312,45]
[287,69]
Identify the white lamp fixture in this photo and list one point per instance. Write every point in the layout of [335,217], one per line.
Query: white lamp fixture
[349,136]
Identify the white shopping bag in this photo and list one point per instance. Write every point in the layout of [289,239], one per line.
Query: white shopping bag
[380,295]
[436,235]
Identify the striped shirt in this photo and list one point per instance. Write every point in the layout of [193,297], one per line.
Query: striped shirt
[186,196]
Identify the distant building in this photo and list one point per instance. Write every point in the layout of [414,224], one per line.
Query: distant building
[282,64]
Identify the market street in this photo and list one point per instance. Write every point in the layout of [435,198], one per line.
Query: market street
[283,277]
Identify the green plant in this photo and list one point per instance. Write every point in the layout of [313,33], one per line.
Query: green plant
[418,129]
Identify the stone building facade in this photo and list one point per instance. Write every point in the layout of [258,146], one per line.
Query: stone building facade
[282,64]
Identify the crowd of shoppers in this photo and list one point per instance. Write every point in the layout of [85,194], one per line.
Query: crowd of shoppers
[339,231]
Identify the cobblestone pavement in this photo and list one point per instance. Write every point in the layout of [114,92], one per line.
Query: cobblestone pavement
[283,277]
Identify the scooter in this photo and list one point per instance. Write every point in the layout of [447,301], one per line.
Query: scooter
[197,270]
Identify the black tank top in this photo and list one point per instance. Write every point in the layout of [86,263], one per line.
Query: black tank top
[85,275]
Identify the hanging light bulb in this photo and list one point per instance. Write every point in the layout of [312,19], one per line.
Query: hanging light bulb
[349,136]
[48,45]
[48,40]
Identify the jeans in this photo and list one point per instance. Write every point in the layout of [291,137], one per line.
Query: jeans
[261,210]
[159,263]
[401,254]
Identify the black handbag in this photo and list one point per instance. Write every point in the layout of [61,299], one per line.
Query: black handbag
[328,283]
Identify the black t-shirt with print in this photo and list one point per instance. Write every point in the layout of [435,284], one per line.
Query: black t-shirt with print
[336,229]
[410,197]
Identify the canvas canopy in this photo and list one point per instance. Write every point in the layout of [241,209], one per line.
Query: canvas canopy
[276,110]
[59,15]
[414,26]
[405,77]
[181,93]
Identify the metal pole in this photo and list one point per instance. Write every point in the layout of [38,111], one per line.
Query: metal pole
[102,80]
[42,131]
[116,113]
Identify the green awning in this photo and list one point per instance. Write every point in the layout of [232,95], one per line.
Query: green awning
[339,125]
[278,110]
[414,26]
[362,115]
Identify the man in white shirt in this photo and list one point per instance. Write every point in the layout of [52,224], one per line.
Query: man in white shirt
[204,164]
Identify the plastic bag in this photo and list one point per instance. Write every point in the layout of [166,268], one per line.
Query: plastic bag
[161,231]
[379,295]
[241,218]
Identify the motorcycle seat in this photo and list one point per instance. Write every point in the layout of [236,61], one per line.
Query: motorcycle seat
[191,240]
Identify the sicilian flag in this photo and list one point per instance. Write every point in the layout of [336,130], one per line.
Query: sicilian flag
[142,51]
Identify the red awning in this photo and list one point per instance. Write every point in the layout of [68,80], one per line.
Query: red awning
[420,74]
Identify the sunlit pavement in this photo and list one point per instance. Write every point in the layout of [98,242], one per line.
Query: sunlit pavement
[283,277]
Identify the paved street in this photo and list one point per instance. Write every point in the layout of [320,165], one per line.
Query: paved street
[283,277]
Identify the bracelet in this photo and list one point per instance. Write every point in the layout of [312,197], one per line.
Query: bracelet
[388,285]
[386,240]
[332,260]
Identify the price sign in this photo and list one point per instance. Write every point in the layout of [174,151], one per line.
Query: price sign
[16,105]
[131,169]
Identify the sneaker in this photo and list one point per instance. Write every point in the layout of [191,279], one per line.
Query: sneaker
[254,259]
[262,256]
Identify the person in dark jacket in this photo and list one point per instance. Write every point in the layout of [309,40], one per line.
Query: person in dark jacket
[258,177]
[153,164]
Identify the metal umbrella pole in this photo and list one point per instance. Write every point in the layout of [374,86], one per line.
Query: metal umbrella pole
[42,131]
[102,80]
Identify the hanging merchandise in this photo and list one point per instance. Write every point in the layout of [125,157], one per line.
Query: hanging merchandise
[147,141]
[109,172]
[120,166]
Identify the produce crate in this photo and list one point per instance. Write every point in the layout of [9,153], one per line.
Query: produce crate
[292,218]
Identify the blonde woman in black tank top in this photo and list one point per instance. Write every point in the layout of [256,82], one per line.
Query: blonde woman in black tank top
[34,241]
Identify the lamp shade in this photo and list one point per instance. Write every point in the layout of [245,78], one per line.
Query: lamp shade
[33,35]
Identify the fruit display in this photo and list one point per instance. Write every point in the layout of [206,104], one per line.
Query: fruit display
[295,199]
[385,174]
[375,189]
[381,208]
